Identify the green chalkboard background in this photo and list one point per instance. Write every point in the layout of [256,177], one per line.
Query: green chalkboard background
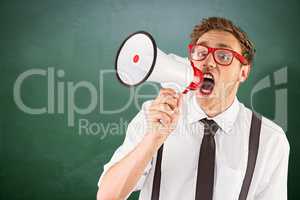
[43,157]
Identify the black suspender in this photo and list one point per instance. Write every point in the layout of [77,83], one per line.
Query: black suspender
[157,175]
[252,155]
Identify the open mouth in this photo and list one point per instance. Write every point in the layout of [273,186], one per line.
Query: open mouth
[208,84]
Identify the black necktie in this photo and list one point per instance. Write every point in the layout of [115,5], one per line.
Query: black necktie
[206,163]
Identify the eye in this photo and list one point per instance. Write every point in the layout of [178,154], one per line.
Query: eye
[224,56]
[201,54]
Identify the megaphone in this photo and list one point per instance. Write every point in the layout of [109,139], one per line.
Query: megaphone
[139,59]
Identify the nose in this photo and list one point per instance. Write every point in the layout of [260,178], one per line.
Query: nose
[209,62]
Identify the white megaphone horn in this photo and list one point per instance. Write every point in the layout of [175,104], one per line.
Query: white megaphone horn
[139,60]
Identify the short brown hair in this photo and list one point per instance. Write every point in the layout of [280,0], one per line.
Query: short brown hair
[219,23]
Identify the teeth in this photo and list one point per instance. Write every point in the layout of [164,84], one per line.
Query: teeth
[208,76]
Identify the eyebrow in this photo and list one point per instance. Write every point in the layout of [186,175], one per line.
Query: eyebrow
[221,45]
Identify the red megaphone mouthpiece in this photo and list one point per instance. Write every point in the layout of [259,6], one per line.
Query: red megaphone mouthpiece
[198,79]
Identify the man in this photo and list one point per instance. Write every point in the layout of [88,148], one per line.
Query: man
[197,146]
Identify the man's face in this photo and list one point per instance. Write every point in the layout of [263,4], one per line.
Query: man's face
[226,79]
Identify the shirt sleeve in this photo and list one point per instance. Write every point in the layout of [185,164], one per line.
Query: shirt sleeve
[134,134]
[276,187]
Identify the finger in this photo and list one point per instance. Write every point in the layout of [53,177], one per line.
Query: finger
[167,91]
[163,107]
[158,116]
[175,117]
[171,100]
[177,110]
[180,102]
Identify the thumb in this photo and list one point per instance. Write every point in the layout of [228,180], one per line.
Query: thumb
[180,102]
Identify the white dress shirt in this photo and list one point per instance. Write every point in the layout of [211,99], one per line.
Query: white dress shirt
[181,154]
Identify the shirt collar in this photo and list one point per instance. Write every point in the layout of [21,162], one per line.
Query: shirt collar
[225,120]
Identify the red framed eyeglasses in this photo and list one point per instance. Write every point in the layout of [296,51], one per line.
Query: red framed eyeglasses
[222,56]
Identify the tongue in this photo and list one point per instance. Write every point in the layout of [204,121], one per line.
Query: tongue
[207,84]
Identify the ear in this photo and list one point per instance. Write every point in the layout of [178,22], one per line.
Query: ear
[244,72]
